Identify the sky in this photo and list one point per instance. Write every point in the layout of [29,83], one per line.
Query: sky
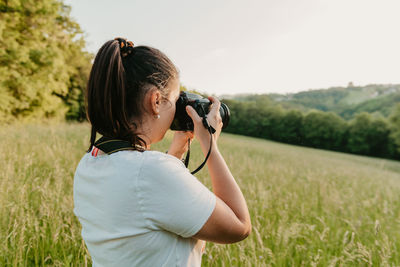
[270,46]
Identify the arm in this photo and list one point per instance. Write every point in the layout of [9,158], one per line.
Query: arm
[230,220]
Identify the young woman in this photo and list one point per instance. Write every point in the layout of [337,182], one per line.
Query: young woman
[142,207]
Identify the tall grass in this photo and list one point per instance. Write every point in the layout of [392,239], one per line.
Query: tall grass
[308,207]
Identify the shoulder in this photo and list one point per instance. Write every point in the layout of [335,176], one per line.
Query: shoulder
[164,171]
[155,160]
[120,164]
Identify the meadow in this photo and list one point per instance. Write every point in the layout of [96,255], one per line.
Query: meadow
[308,207]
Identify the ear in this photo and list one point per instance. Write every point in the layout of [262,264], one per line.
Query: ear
[155,101]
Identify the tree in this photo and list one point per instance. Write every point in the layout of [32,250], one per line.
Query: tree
[395,128]
[369,136]
[44,67]
[291,127]
[323,130]
[358,134]
[378,137]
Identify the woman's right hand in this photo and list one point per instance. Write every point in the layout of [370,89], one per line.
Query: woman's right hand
[214,119]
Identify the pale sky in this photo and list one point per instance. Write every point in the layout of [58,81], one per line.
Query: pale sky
[231,46]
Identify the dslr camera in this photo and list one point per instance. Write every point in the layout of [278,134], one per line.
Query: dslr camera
[182,121]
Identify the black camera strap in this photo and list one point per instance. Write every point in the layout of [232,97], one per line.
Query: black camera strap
[111,145]
[211,130]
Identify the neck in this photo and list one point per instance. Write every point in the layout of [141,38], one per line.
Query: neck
[144,132]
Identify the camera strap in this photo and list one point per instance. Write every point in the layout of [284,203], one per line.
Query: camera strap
[111,145]
[211,130]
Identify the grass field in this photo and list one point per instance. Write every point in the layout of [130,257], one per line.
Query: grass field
[308,207]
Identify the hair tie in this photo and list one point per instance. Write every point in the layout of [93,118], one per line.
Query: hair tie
[125,46]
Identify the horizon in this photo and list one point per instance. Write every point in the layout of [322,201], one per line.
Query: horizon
[309,90]
[231,47]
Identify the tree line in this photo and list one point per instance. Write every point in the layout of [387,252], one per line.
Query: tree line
[364,135]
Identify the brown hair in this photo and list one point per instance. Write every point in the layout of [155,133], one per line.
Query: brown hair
[117,86]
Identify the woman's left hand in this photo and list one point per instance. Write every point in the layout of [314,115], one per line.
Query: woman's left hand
[179,144]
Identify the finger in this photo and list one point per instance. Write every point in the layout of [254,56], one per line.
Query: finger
[214,100]
[193,114]
[216,104]
[189,134]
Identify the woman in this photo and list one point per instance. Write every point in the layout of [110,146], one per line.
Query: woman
[143,207]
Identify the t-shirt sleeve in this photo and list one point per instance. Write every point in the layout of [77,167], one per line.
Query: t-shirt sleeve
[171,198]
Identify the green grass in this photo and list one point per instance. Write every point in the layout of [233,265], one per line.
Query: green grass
[308,207]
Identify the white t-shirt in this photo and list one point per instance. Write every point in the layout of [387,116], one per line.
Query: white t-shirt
[140,209]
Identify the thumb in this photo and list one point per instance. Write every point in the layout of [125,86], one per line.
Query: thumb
[192,114]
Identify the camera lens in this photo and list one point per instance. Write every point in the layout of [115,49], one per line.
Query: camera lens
[225,114]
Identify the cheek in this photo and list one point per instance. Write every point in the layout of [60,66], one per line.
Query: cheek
[172,113]
[168,115]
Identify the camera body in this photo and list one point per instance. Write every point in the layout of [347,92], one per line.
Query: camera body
[182,121]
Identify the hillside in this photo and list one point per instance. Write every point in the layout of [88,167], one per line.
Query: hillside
[344,101]
[308,207]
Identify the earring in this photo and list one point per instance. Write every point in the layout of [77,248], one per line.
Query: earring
[157,116]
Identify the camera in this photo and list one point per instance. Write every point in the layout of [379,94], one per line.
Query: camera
[182,121]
